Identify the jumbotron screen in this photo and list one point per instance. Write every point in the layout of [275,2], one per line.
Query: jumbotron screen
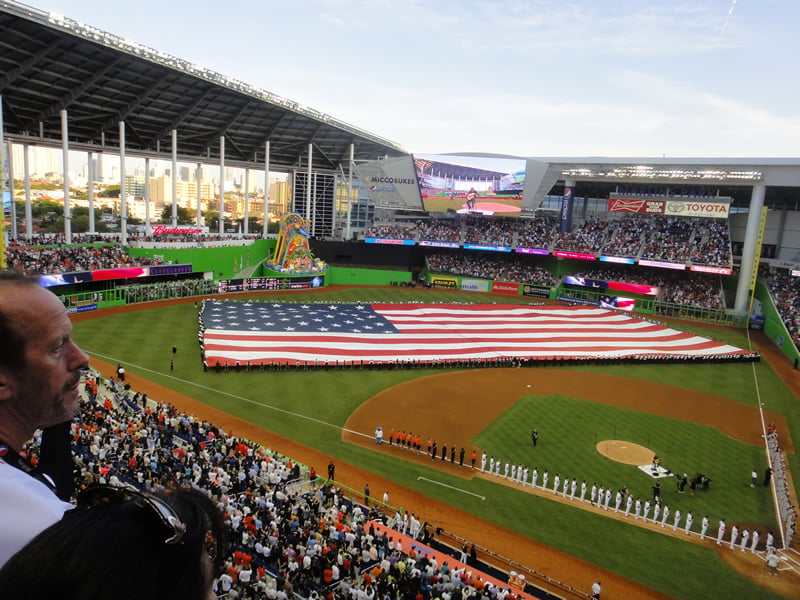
[476,185]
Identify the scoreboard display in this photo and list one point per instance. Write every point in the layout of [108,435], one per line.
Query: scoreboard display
[269,283]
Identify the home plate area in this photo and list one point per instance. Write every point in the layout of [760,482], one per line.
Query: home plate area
[656,471]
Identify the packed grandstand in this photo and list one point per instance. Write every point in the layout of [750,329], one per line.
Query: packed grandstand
[294,531]
[689,241]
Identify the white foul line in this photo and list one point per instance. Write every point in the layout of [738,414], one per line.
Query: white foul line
[451,487]
[224,393]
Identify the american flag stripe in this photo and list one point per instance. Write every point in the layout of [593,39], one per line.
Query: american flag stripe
[292,333]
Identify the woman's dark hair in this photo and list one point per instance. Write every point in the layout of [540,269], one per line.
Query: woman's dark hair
[119,550]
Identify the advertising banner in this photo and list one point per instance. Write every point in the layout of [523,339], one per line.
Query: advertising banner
[662,264]
[371,240]
[484,247]
[447,283]
[390,183]
[707,269]
[536,291]
[635,288]
[565,219]
[621,260]
[577,255]
[170,269]
[541,251]
[179,230]
[474,285]
[83,308]
[502,287]
[651,207]
[715,209]
[697,208]
[436,244]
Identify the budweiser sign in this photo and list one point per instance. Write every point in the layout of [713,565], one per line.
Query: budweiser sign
[165,229]
[653,207]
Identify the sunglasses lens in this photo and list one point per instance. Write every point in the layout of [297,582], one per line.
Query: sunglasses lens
[98,495]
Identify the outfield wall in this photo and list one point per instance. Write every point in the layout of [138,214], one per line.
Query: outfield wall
[410,258]
[360,276]
[223,262]
[773,324]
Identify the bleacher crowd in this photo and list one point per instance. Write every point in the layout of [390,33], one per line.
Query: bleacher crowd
[288,537]
[678,287]
[488,266]
[657,238]
[785,291]
[54,259]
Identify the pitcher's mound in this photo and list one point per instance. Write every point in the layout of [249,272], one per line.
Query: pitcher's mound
[625,452]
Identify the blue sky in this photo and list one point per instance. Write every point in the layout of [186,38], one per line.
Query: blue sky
[520,77]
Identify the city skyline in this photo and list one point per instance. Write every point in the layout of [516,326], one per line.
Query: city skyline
[539,78]
[43,160]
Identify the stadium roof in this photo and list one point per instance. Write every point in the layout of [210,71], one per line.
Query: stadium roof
[50,63]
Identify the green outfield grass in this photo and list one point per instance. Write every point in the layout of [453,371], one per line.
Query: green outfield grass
[310,407]
[570,430]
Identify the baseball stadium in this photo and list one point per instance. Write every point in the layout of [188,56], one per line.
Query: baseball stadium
[517,376]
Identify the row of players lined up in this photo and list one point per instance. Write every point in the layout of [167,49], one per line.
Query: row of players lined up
[598,495]
[501,362]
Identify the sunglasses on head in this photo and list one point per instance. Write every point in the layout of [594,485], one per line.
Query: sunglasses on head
[106,494]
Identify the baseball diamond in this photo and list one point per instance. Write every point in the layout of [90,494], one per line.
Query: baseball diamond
[462,408]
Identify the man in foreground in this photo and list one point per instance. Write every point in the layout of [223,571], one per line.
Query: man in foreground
[40,370]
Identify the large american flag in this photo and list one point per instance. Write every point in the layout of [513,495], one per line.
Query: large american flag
[251,332]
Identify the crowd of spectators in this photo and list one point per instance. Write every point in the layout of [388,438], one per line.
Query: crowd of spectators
[536,233]
[492,232]
[785,291]
[668,239]
[390,232]
[502,268]
[287,537]
[657,238]
[61,258]
[692,289]
[189,240]
[714,246]
[49,239]
[625,236]
[442,230]
[588,237]
[677,287]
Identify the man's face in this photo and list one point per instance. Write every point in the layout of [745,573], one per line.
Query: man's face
[45,391]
